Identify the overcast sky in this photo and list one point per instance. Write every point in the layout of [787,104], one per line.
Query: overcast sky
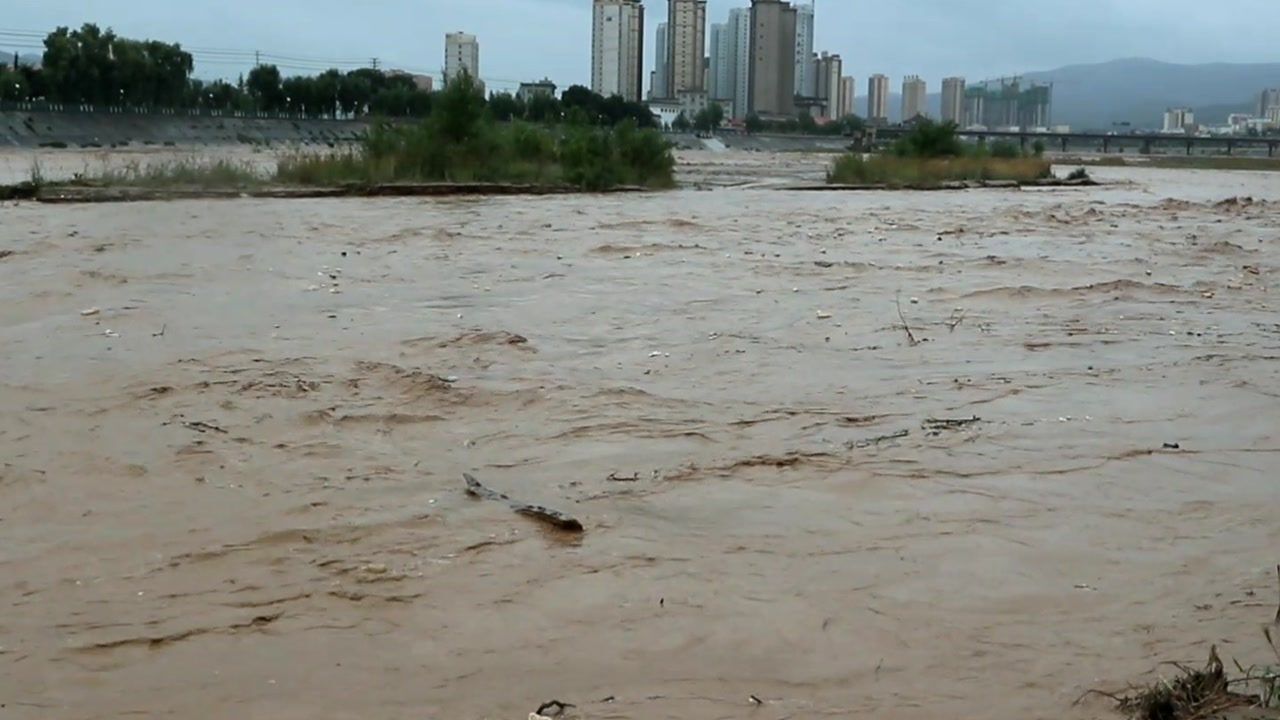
[527,39]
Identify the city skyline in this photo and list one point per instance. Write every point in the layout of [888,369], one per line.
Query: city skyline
[404,34]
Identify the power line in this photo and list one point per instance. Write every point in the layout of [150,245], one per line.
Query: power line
[230,57]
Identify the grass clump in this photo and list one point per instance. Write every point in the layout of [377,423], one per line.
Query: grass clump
[894,171]
[462,143]
[190,173]
[933,154]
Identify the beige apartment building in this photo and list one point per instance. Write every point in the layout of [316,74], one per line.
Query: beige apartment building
[686,46]
[953,100]
[771,89]
[878,98]
[915,98]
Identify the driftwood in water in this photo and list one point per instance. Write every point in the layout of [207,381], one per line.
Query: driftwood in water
[555,518]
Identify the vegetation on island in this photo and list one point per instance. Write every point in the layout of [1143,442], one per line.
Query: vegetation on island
[462,141]
[933,154]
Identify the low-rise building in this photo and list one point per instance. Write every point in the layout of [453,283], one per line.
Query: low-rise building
[531,90]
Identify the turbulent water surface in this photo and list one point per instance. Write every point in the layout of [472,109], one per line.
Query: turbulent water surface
[234,436]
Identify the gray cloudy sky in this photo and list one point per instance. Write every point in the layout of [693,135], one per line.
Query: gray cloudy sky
[527,39]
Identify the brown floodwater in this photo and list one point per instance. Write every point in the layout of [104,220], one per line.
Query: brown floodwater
[236,489]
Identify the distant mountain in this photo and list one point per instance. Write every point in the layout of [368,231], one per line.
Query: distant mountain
[6,58]
[1136,91]
[1139,90]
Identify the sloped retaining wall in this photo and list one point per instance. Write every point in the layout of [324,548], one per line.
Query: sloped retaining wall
[72,130]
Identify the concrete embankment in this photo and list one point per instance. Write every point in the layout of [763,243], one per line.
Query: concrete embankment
[72,130]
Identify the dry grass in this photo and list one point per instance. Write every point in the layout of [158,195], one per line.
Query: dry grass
[1207,693]
[893,171]
[190,173]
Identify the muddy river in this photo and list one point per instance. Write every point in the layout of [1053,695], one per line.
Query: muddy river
[234,434]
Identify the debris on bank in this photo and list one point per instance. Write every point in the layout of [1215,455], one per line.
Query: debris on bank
[948,185]
[83,193]
[1208,693]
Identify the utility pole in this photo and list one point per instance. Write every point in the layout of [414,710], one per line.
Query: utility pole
[257,58]
[374,62]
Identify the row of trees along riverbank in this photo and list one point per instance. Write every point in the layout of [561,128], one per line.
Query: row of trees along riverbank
[98,67]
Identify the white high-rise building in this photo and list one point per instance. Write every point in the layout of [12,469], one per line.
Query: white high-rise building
[1179,120]
[718,78]
[617,49]
[1270,99]
[806,81]
[731,60]
[659,89]
[686,46]
[461,54]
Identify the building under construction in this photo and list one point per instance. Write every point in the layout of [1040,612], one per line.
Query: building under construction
[1005,103]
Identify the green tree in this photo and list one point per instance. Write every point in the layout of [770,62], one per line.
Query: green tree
[1005,149]
[459,110]
[13,85]
[1038,148]
[754,123]
[543,109]
[503,107]
[806,123]
[681,123]
[930,140]
[355,92]
[266,88]
[710,118]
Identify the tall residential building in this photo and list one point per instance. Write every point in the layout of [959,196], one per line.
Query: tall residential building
[848,91]
[686,45]
[772,89]
[953,100]
[1270,99]
[828,71]
[1179,120]
[878,98]
[461,54]
[658,87]
[915,98]
[718,74]
[806,81]
[739,41]
[1005,103]
[617,49]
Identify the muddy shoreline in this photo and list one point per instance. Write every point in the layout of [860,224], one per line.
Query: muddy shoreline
[232,467]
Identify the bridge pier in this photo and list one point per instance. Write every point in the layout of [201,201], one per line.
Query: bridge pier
[1064,143]
[1106,145]
[1022,143]
[1231,146]
[1271,149]
[1146,146]
[1189,146]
